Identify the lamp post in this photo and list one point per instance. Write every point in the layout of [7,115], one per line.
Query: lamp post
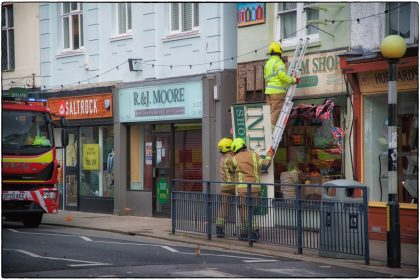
[393,47]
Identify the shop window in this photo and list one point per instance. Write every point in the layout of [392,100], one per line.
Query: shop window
[375,146]
[72,25]
[7,39]
[136,157]
[97,164]
[188,156]
[310,152]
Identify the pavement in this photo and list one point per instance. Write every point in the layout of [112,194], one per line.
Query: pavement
[161,228]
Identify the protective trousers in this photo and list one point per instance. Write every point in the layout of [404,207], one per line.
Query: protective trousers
[227,193]
[276,104]
[243,208]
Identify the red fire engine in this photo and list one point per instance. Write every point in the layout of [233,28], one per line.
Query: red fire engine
[29,162]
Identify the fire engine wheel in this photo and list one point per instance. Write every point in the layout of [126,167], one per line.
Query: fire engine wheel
[32,220]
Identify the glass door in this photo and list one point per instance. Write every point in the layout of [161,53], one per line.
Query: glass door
[71,171]
[161,174]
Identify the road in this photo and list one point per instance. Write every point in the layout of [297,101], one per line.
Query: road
[51,251]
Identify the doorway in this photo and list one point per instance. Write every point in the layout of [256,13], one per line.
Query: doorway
[162,174]
[71,171]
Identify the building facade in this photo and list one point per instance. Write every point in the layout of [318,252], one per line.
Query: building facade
[367,72]
[20,65]
[314,146]
[162,76]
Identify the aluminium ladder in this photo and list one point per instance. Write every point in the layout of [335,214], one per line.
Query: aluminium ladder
[293,70]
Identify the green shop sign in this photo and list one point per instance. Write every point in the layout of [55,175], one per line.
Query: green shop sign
[163,190]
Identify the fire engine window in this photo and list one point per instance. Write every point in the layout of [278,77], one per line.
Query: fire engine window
[25,130]
[97,161]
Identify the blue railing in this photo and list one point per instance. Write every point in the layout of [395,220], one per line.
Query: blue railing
[335,225]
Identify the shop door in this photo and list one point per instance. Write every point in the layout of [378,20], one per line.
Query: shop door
[162,175]
[71,171]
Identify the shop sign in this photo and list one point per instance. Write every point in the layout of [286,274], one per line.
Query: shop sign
[163,190]
[252,122]
[321,74]
[372,82]
[82,107]
[165,102]
[250,13]
[90,156]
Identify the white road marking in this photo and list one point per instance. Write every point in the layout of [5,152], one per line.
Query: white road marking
[86,238]
[53,258]
[170,249]
[51,234]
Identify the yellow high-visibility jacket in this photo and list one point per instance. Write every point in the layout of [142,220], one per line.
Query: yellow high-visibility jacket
[276,79]
[247,167]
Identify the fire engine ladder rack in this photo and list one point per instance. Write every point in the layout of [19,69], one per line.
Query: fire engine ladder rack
[294,70]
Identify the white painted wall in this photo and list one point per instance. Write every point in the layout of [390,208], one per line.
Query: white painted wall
[149,41]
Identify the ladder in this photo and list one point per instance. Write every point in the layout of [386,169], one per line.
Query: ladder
[294,70]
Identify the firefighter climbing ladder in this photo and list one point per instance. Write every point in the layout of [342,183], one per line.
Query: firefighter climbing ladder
[294,70]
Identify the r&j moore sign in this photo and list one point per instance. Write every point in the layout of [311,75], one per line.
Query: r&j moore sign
[161,102]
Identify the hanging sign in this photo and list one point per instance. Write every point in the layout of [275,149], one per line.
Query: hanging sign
[321,74]
[90,156]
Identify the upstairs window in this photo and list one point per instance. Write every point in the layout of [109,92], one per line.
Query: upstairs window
[402,20]
[184,17]
[123,18]
[7,39]
[72,19]
[292,18]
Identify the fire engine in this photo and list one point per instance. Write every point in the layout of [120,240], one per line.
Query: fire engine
[29,162]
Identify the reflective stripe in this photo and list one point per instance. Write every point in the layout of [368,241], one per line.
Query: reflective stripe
[277,87]
[254,159]
[46,157]
[235,164]
[227,174]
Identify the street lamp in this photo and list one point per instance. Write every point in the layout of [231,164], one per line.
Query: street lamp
[393,47]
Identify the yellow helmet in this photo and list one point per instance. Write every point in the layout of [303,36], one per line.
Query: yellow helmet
[238,144]
[274,47]
[225,145]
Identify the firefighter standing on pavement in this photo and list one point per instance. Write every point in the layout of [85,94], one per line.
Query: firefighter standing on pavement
[227,189]
[277,81]
[247,165]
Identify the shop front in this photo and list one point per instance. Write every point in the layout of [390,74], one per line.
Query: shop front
[370,86]
[163,128]
[312,150]
[88,181]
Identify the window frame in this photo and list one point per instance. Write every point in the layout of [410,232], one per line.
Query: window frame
[301,21]
[414,17]
[195,13]
[72,12]
[128,21]
[10,30]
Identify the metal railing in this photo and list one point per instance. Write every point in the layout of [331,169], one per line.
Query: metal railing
[335,227]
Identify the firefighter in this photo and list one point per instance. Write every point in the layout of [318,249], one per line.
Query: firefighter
[247,166]
[227,189]
[276,81]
